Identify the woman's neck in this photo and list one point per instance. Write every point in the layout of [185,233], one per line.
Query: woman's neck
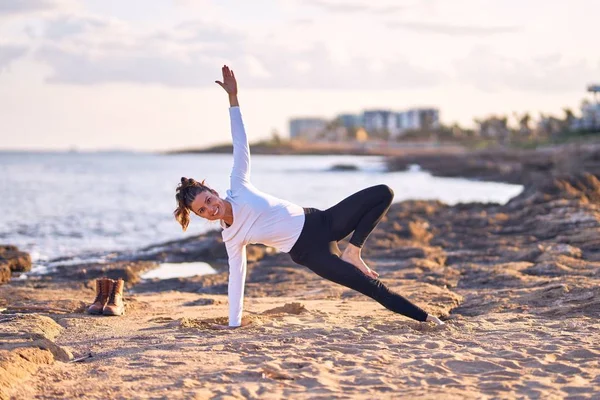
[228,218]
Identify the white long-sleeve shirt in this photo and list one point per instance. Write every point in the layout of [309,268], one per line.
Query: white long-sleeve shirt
[257,218]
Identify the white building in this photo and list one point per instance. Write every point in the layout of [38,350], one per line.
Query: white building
[416,119]
[590,115]
[307,128]
[379,121]
[590,111]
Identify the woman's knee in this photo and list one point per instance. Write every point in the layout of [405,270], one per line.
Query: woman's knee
[386,192]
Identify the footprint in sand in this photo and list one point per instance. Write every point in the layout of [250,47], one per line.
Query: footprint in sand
[161,320]
[443,382]
[202,302]
[288,308]
[217,324]
[581,354]
[501,375]
[473,367]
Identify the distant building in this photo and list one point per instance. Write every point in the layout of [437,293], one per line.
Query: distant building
[381,124]
[590,115]
[307,128]
[350,121]
[379,121]
[416,119]
[590,111]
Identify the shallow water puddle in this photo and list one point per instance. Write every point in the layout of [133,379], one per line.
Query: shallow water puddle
[179,270]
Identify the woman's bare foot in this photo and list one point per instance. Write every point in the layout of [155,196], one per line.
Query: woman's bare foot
[431,318]
[352,255]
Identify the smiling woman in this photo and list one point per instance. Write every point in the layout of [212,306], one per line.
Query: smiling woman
[203,201]
[309,235]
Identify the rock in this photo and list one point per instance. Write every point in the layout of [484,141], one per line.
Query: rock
[27,342]
[4,273]
[129,271]
[529,254]
[30,326]
[553,251]
[287,308]
[418,231]
[32,295]
[208,247]
[18,365]
[506,165]
[344,167]
[548,269]
[17,261]
[59,353]
[32,331]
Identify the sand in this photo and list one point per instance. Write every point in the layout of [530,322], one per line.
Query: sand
[518,286]
[164,348]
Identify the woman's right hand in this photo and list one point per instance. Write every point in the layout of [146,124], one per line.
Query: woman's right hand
[229,84]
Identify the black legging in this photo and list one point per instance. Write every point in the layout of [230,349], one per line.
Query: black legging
[317,248]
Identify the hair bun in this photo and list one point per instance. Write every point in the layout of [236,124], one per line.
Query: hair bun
[189,182]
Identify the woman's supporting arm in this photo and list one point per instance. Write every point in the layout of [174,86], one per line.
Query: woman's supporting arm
[237,281]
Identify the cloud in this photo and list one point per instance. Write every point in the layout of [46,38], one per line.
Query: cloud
[345,7]
[315,69]
[267,67]
[453,30]
[90,51]
[203,31]
[126,65]
[10,53]
[21,7]
[549,73]
[65,26]
[25,6]
[303,21]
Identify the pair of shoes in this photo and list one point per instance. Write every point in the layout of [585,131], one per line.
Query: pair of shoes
[109,297]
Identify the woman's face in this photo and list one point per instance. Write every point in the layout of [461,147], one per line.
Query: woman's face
[208,205]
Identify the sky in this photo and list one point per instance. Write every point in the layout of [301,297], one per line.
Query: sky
[139,74]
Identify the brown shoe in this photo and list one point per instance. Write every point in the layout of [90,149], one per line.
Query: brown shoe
[102,293]
[115,305]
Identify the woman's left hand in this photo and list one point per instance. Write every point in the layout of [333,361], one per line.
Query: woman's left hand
[229,83]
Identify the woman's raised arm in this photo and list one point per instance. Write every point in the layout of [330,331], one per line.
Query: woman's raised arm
[240,175]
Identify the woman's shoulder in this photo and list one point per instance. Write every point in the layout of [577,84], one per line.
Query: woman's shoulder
[241,190]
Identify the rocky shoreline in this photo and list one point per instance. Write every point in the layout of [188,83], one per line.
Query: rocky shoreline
[519,286]
[524,167]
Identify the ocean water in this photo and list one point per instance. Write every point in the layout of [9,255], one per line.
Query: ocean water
[84,204]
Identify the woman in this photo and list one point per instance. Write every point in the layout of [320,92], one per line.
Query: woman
[310,236]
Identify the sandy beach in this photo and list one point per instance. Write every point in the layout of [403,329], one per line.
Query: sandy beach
[517,285]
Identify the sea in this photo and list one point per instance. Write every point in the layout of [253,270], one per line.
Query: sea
[81,205]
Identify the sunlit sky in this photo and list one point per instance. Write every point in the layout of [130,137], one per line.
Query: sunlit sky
[139,74]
